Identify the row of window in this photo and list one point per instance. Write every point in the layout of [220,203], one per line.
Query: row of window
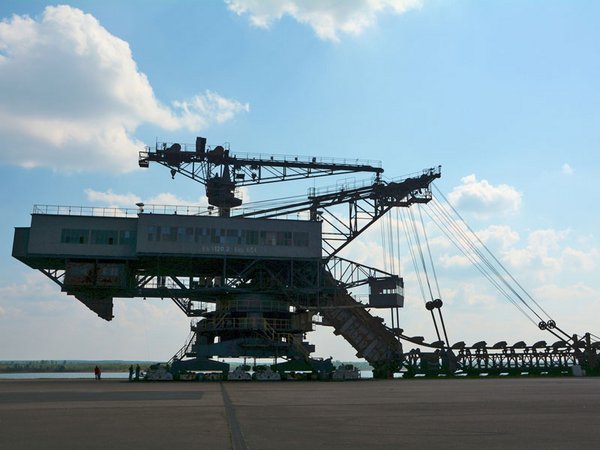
[227,236]
[222,236]
[97,237]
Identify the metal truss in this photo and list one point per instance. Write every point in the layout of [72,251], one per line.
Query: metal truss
[202,164]
[351,274]
[56,275]
[502,358]
[366,204]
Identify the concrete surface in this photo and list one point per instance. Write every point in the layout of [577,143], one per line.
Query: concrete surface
[459,413]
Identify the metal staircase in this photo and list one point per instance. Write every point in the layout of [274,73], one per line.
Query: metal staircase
[372,340]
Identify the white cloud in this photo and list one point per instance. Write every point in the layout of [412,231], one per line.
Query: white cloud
[579,260]
[201,110]
[71,95]
[115,200]
[327,18]
[566,169]
[34,295]
[151,329]
[109,198]
[548,254]
[483,199]
[499,236]
[573,293]
[471,294]
[540,250]
[447,261]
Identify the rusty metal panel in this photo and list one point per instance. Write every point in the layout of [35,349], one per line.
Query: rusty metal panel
[111,275]
[80,273]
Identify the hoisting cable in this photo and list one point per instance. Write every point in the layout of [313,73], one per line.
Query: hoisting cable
[418,241]
[550,324]
[433,303]
[470,243]
[399,260]
[446,229]
[428,305]
[392,259]
[385,253]
[438,302]
[491,254]
[409,241]
[413,257]
[391,244]
[398,241]
[479,261]
[435,278]
[383,245]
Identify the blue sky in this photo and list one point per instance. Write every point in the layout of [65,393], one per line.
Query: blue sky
[504,95]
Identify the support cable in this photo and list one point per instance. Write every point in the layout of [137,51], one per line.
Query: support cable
[470,244]
[417,271]
[559,329]
[476,259]
[413,257]
[561,338]
[437,331]
[439,308]
[420,248]
[398,241]
[435,278]
[443,326]
[383,245]
[447,230]
[491,254]
[391,244]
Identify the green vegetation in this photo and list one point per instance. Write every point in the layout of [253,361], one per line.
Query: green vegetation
[45,366]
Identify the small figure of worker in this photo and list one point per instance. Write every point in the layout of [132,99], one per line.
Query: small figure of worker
[131,372]
[97,372]
[137,372]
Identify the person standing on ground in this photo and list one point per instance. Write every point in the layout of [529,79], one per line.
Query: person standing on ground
[131,372]
[137,372]
[97,372]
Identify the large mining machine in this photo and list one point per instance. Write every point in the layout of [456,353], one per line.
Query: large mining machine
[299,288]
[255,278]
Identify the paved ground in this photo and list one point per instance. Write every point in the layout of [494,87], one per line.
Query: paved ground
[462,413]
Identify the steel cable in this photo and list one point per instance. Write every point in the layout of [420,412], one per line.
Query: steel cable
[446,229]
[492,255]
[413,257]
[473,247]
[435,278]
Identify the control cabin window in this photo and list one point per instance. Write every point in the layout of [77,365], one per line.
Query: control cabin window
[228,236]
[70,236]
[98,237]
[104,237]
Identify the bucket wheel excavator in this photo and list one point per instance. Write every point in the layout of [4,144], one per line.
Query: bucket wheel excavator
[284,295]
[254,278]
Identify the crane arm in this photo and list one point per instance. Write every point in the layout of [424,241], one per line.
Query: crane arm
[203,162]
[366,205]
